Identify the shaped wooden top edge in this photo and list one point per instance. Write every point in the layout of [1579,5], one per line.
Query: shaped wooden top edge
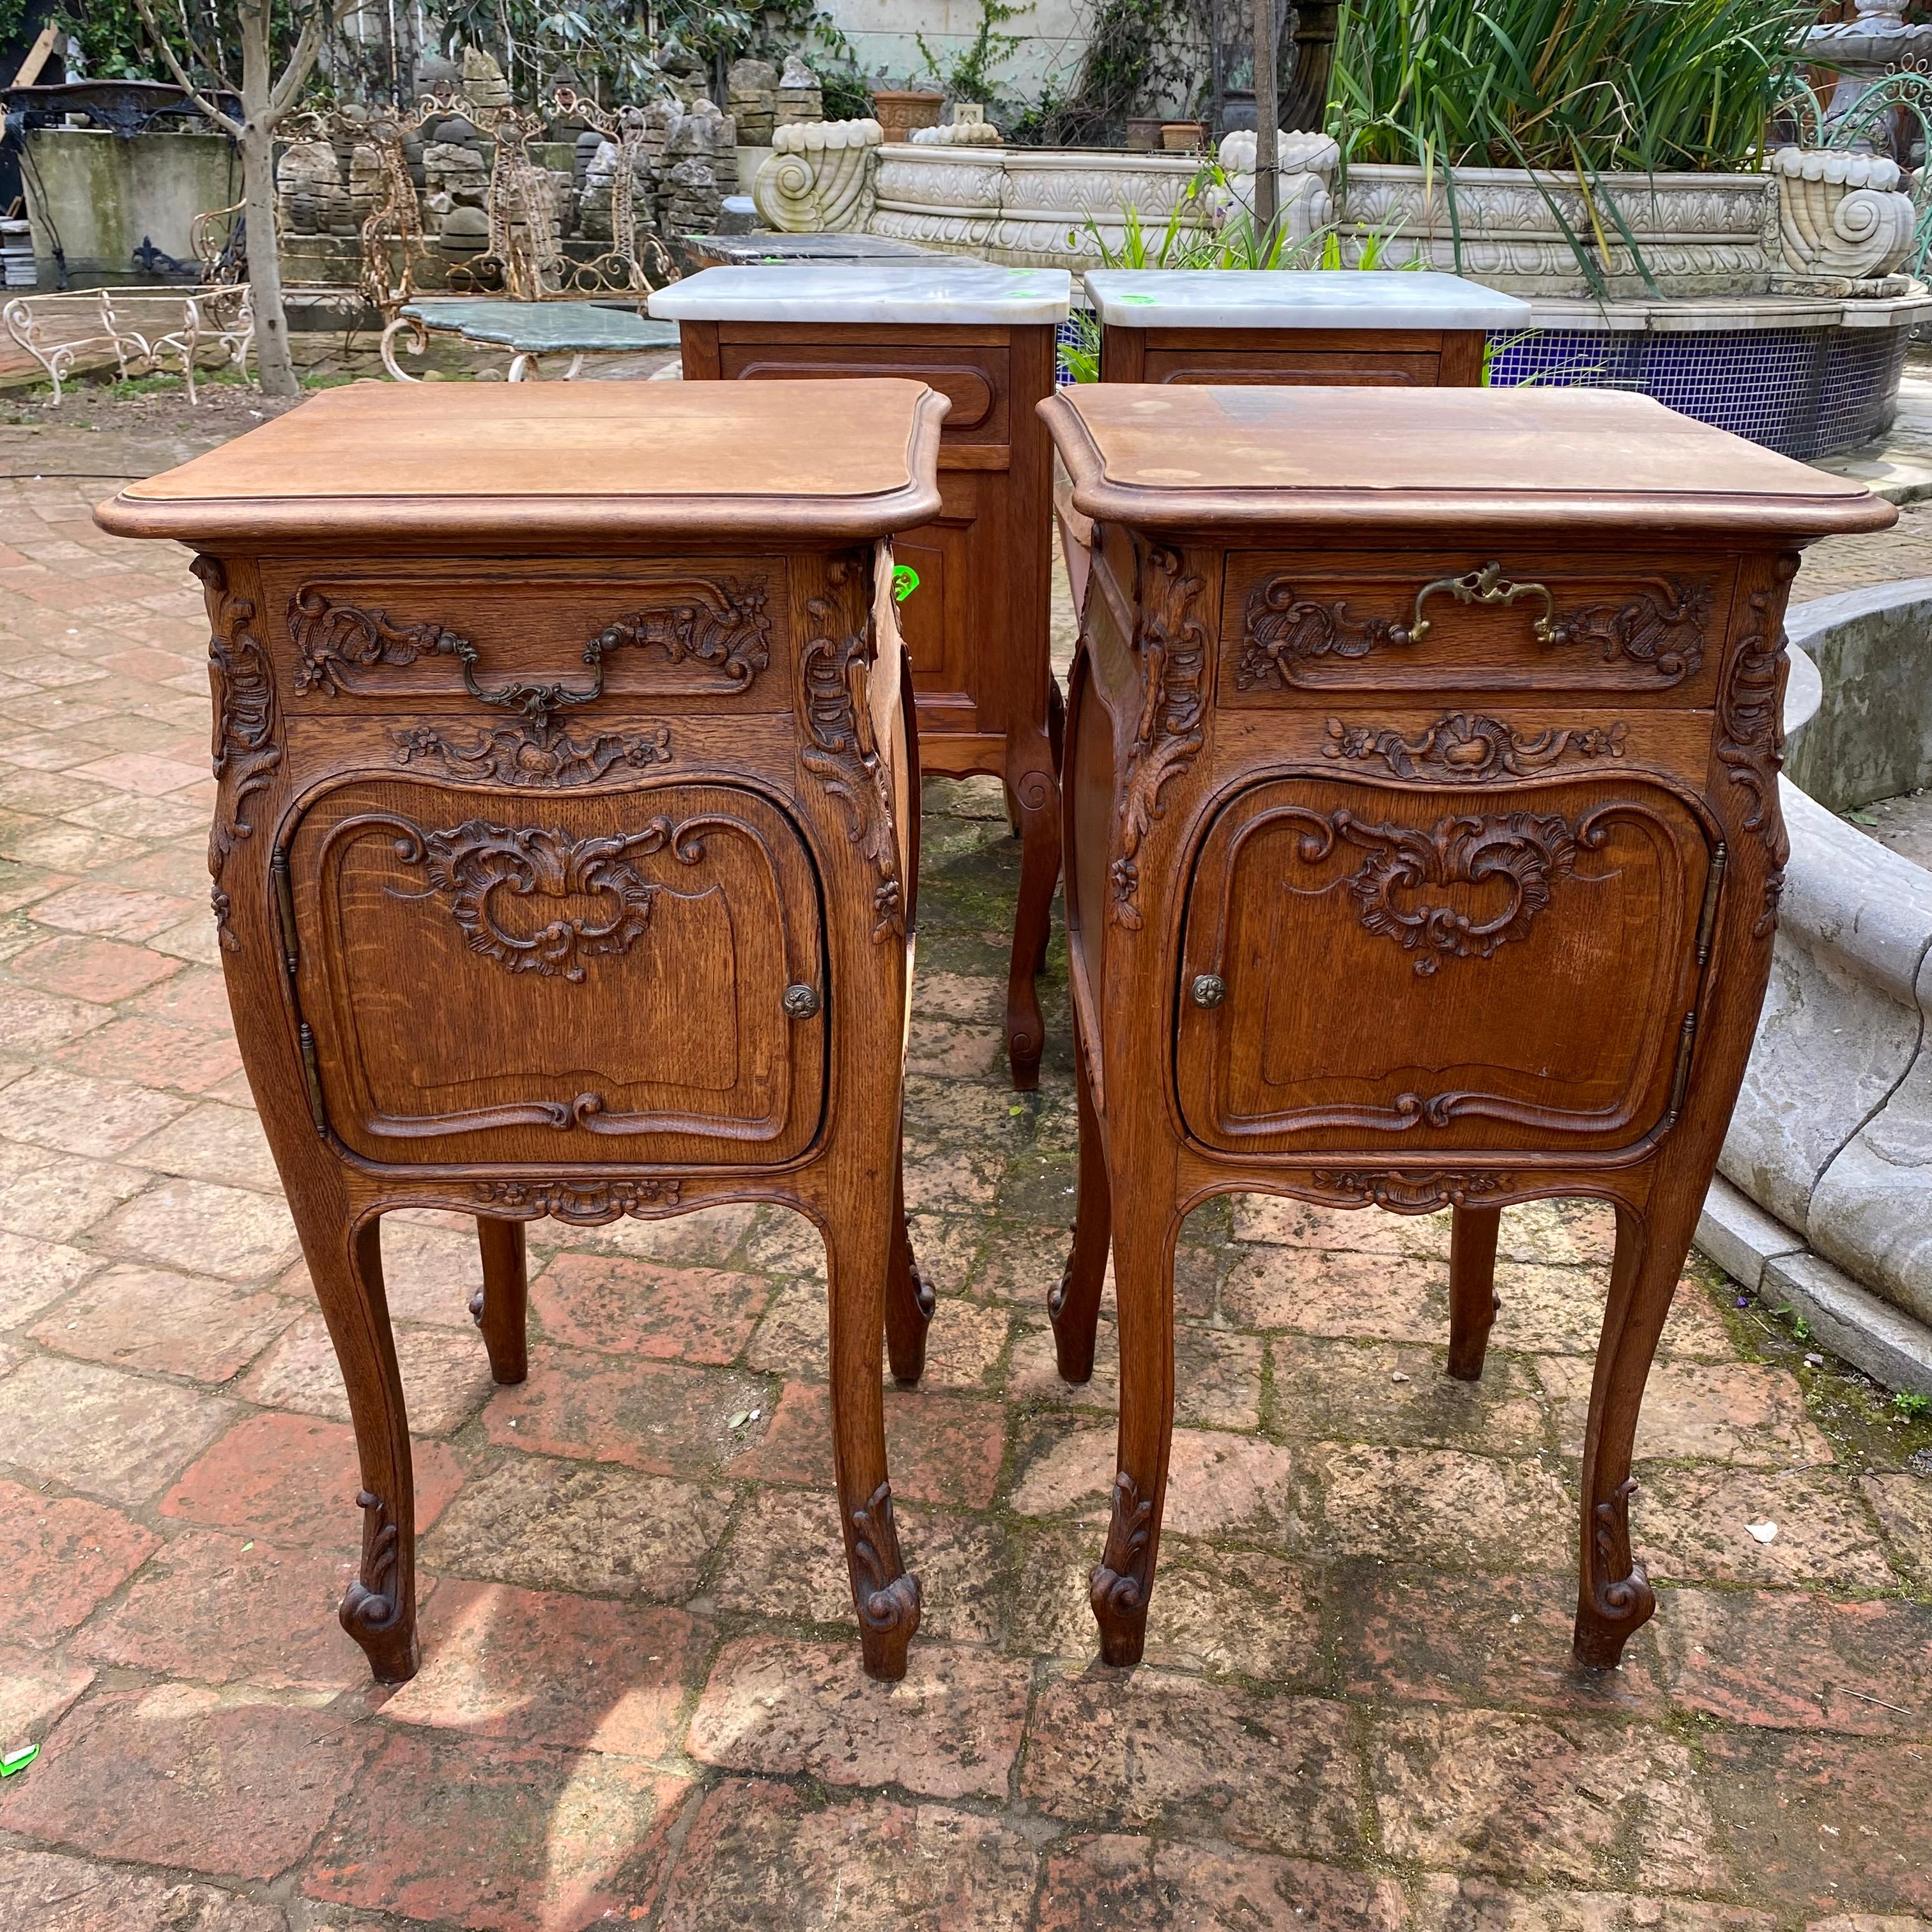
[1218,461]
[464,464]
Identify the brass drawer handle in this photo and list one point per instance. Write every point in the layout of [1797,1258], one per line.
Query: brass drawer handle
[1209,989]
[535,701]
[1487,586]
[800,1002]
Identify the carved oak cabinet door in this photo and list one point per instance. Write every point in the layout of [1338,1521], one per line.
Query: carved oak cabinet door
[1423,851]
[564,854]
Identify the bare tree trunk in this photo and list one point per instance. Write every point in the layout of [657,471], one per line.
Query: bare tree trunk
[274,366]
[266,101]
[1267,118]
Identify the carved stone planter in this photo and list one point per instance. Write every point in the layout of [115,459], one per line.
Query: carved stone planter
[1844,223]
[1699,235]
[818,177]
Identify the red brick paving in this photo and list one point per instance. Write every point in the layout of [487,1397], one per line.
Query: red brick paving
[641,1702]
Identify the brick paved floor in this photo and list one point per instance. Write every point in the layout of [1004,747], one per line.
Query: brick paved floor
[641,1701]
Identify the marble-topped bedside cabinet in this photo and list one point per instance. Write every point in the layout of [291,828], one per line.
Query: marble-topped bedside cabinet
[977,625]
[1384,327]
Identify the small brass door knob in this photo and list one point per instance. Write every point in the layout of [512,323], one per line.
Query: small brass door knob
[1209,989]
[801,1002]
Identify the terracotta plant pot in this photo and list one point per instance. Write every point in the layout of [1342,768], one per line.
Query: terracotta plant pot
[1144,132]
[1184,137]
[899,110]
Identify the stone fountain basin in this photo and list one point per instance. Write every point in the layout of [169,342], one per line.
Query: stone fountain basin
[1829,1157]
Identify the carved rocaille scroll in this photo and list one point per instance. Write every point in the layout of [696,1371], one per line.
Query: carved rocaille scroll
[1750,731]
[1404,1191]
[582,1204]
[1118,1587]
[468,865]
[1521,851]
[1172,647]
[329,637]
[1620,1592]
[727,627]
[247,747]
[1465,748]
[843,754]
[886,1595]
[1662,625]
[519,755]
[1285,630]
[371,1606]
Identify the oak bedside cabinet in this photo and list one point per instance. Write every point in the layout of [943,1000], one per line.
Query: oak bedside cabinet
[1423,849]
[1393,327]
[978,625]
[564,849]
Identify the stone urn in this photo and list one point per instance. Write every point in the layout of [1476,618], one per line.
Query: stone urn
[818,177]
[898,110]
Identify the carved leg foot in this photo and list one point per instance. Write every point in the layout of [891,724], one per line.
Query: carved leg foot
[859,1236]
[910,1301]
[1074,1305]
[379,1609]
[1030,781]
[1122,1578]
[1614,1596]
[498,1306]
[1122,1582]
[1473,1302]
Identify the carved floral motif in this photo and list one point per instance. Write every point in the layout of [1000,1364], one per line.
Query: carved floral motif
[843,755]
[247,749]
[1664,626]
[1172,647]
[1465,748]
[582,1204]
[1405,1191]
[522,756]
[1750,732]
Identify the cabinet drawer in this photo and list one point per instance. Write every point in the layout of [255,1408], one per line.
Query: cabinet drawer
[1441,971]
[1305,621]
[406,639]
[491,975]
[975,380]
[1332,368]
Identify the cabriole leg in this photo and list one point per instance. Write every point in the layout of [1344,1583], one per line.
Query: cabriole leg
[1144,1227]
[378,1609]
[858,1234]
[499,1306]
[1614,1597]
[1074,1306]
[1472,1295]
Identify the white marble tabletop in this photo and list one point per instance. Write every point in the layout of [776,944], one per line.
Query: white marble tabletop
[926,291]
[1296,298]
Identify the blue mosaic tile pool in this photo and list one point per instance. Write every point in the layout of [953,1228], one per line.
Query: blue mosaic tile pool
[1804,392]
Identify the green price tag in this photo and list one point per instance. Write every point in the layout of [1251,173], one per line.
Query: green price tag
[905,581]
[18,1760]
[1146,301]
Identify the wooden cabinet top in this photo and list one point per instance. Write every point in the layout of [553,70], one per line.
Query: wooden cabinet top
[1298,299]
[1592,461]
[571,465]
